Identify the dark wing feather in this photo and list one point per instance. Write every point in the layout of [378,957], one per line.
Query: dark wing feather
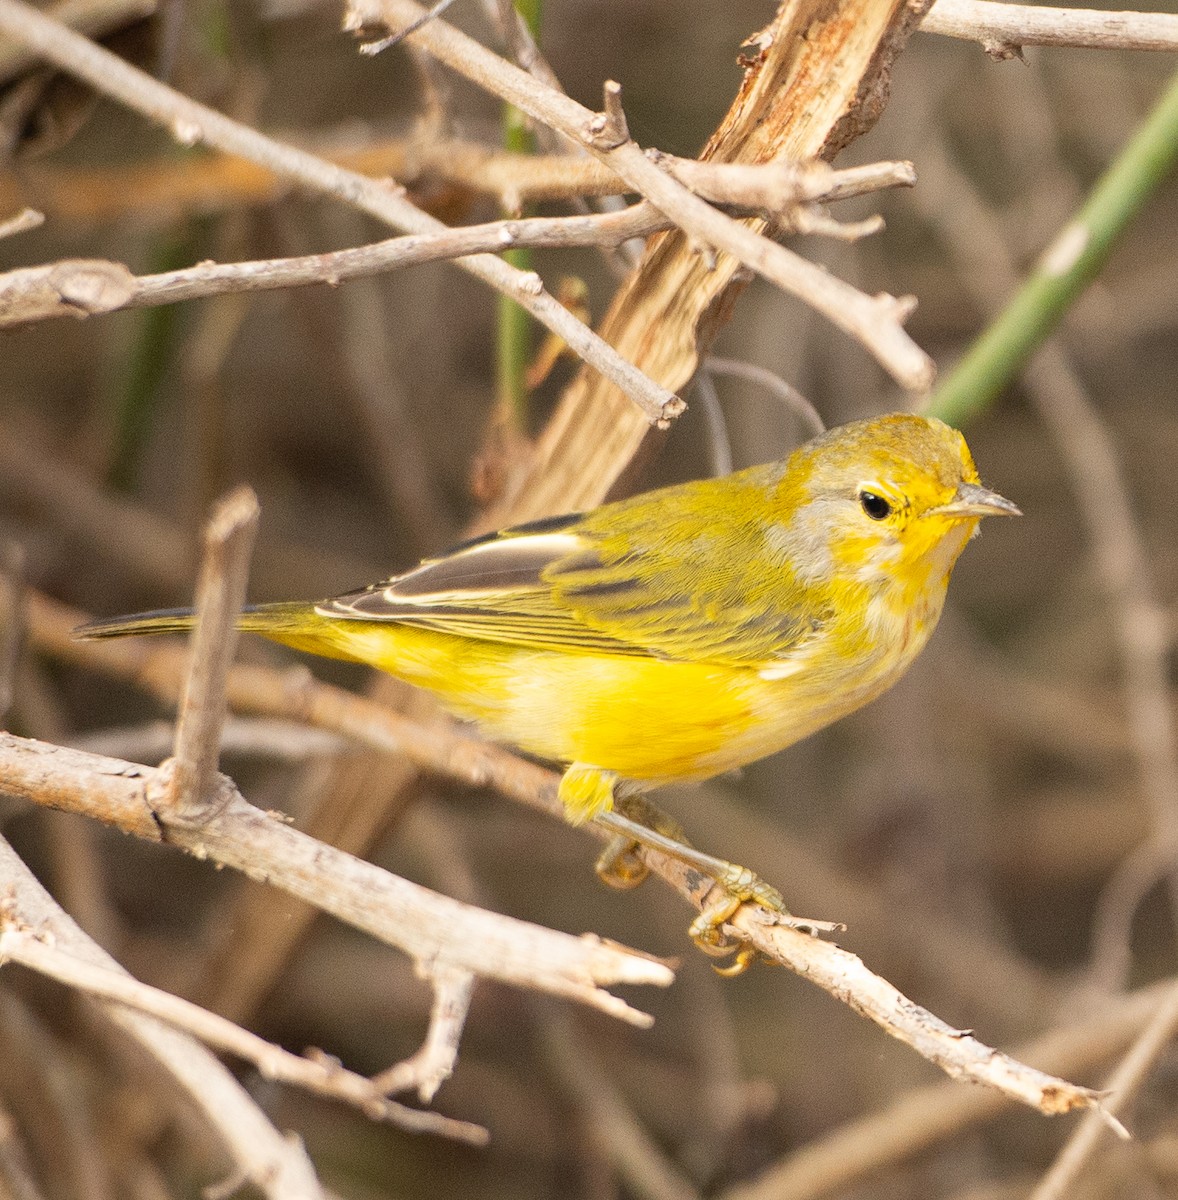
[685,573]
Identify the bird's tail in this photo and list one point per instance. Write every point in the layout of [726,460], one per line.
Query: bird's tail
[293,623]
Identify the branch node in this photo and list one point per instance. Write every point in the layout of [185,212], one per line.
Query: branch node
[608,130]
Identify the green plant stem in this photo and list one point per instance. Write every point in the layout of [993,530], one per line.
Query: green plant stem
[152,354]
[514,326]
[1075,257]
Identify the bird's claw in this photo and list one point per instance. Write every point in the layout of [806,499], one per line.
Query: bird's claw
[620,864]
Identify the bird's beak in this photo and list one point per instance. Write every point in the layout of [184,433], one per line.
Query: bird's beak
[973,500]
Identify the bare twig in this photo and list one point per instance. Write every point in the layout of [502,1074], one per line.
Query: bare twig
[773,384]
[316,1074]
[34,294]
[1004,29]
[84,288]
[876,321]
[258,737]
[427,927]
[783,190]
[162,189]
[277,1166]
[1125,1081]
[607,130]
[220,594]
[193,123]
[433,1064]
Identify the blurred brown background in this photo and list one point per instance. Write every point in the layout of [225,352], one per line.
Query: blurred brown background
[966,826]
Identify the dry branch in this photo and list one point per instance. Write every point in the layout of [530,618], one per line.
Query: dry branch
[427,927]
[78,289]
[315,1072]
[165,189]
[876,321]
[192,123]
[1004,29]
[477,763]
[277,1165]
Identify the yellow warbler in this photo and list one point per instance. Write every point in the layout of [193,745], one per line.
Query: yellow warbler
[680,633]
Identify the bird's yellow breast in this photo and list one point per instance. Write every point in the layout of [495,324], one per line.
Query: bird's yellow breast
[649,719]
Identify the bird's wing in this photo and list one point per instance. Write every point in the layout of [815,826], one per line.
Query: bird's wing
[577,583]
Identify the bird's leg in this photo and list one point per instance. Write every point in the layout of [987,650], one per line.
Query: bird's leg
[589,793]
[636,821]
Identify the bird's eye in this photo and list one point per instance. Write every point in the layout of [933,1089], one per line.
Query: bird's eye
[874,505]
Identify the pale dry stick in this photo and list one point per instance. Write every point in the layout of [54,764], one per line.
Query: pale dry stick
[281,856]
[1003,29]
[778,188]
[642,1165]
[91,17]
[25,220]
[924,1117]
[426,1071]
[1125,1081]
[164,189]
[956,1051]
[220,593]
[773,384]
[876,321]
[275,1165]
[192,123]
[424,925]
[254,737]
[318,1074]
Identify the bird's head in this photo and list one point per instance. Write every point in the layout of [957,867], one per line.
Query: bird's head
[892,499]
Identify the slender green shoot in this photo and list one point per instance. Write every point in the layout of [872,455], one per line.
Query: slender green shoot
[1075,257]
[514,326]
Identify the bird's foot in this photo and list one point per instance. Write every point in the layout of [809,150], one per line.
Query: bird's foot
[636,822]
